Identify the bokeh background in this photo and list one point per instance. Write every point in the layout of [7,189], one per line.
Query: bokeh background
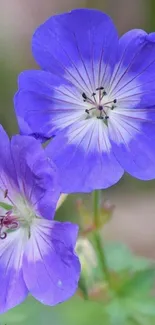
[133,221]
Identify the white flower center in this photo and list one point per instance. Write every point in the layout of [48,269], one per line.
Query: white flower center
[20,215]
[99,104]
[24,212]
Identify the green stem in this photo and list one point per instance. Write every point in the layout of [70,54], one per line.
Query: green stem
[98,242]
[102,257]
[96,212]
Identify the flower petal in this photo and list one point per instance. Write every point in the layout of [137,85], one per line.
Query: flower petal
[51,268]
[84,158]
[70,44]
[13,288]
[8,178]
[46,104]
[133,79]
[133,145]
[37,175]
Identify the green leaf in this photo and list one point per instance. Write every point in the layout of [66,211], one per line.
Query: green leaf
[141,310]
[74,311]
[144,306]
[140,283]
[117,313]
[119,258]
[31,312]
[131,311]
[140,263]
[82,312]
[5,206]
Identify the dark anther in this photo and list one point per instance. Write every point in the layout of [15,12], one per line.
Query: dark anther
[104,93]
[106,120]
[115,101]
[100,88]
[84,96]
[100,108]
[87,111]
[5,193]
[100,117]
[93,94]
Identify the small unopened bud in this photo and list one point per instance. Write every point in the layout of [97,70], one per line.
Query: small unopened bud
[87,255]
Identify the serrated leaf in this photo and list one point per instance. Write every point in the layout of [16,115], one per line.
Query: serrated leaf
[131,311]
[140,263]
[117,313]
[144,306]
[141,311]
[120,258]
[140,283]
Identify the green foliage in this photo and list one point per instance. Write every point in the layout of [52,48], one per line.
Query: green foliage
[127,298]
[131,310]
[120,258]
[140,283]
[5,206]
[76,311]
[31,312]
[132,302]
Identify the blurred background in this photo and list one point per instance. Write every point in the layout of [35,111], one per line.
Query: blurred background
[133,221]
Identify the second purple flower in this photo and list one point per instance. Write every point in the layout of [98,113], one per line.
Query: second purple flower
[36,253]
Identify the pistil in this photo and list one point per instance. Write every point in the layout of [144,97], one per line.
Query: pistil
[98,104]
[7,222]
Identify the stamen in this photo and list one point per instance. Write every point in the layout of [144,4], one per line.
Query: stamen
[8,221]
[84,96]
[106,120]
[113,106]
[5,193]
[93,95]
[90,109]
[103,94]
[100,88]
[101,107]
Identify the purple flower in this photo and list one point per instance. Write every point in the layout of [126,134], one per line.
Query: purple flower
[36,253]
[96,95]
